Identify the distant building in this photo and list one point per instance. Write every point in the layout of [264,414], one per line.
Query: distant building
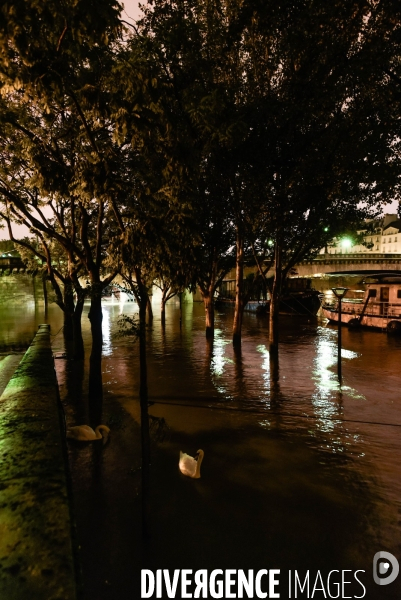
[381,235]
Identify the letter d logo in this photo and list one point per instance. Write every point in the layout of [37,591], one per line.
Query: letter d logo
[387,560]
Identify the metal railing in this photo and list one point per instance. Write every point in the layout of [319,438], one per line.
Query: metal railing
[384,309]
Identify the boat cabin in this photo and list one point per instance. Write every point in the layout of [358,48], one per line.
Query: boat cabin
[379,305]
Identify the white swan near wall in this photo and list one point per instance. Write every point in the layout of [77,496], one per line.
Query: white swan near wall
[84,433]
[190,466]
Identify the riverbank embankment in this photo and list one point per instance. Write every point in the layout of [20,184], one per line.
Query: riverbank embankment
[36,554]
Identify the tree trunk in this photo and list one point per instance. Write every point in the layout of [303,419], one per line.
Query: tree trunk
[209,314]
[95,363]
[34,289]
[72,320]
[163,310]
[143,399]
[149,309]
[78,343]
[68,299]
[274,376]
[68,329]
[239,290]
[44,280]
[275,302]
[239,380]
[209,354]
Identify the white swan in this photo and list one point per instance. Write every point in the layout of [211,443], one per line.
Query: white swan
[191,466]
[84,433]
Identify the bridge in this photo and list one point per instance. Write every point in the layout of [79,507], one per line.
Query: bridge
[321,265]
[12,264]
[324,264]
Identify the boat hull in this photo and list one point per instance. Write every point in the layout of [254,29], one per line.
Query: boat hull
[298,297]
[293,304]
[391,323]
[301,303]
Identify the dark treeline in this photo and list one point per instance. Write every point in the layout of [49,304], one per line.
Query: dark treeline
[208,136]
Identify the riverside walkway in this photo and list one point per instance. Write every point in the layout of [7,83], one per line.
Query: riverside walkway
[36,553]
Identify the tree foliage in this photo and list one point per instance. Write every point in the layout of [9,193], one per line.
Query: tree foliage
[220,128]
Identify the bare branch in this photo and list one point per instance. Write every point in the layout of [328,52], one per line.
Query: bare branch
[62,37]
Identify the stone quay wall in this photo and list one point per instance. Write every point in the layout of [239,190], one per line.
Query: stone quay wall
[36,550]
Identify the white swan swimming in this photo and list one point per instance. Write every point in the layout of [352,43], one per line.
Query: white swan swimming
[84,433]
[191,466]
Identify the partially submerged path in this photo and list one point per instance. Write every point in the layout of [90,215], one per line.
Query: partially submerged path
[36,554]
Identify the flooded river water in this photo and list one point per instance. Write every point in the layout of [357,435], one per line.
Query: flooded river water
[299,474]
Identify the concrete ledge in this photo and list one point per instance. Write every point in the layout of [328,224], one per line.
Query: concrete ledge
[36,556]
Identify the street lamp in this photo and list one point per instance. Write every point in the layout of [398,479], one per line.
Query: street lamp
[339,293]
[346,243]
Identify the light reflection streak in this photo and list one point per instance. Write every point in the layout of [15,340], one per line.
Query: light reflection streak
[219,360]
[107,347]
[324,398]
[265,367]
[324,375]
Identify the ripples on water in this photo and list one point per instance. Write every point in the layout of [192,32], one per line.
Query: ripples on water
[298,472]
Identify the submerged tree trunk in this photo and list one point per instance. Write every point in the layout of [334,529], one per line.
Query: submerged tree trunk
[78,342]
[240,381]
[208,301]
[95,362]
[141,294]
[149,309]
[72,319]
[239,291]
[163,310]
[35,299]
[69,307]
[143,399]
[209,355]
[167,294]
[274,375]
[45,299]
[275,302]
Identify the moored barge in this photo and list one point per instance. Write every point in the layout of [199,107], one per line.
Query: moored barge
[378,306]
[298,297]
